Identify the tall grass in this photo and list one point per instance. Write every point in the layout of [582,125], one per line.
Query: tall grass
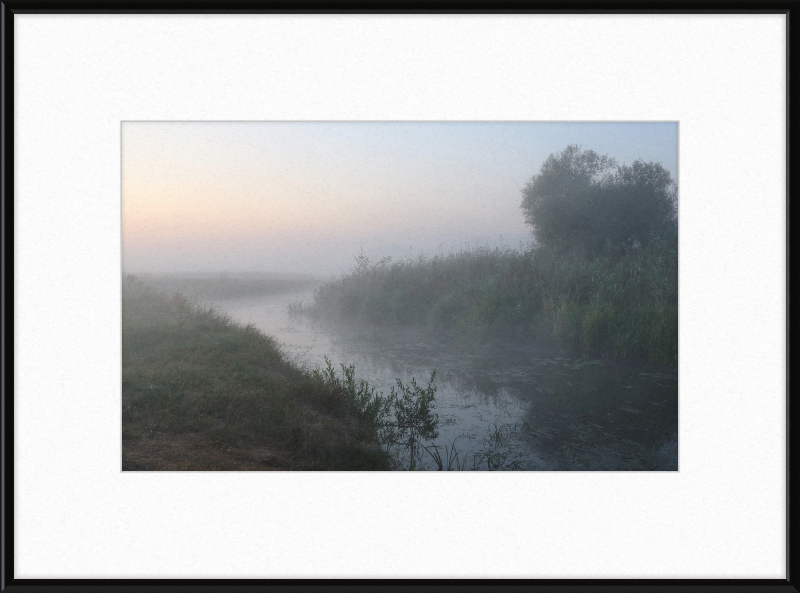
[623,304]
[200,391]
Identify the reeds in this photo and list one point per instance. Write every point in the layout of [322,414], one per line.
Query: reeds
[618,303]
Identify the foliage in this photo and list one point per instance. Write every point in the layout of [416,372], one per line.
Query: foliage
[582,201]
[200,392]
[414,416]
[369,406]
[621,302]
[399,421]
[452,456]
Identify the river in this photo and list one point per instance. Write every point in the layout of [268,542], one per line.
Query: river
[510,407]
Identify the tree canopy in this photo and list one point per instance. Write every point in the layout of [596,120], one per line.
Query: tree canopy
[581,200]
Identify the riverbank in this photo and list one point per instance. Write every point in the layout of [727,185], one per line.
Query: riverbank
[617,304]
[503,405]
[201,392]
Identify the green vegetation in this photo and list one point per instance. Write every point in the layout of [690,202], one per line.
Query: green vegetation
[414,419]
[400,420]
[200,392]
[455,461]
[621,305]
[602,278]
[586,203]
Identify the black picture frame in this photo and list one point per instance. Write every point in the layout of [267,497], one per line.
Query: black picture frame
[8,582]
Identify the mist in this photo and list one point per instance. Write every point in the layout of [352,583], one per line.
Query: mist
[308,197]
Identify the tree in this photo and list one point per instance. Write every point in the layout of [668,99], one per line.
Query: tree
[581,200]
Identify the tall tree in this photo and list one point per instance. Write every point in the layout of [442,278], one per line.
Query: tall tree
[581,200]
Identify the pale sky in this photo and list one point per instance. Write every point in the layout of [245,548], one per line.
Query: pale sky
[306,197]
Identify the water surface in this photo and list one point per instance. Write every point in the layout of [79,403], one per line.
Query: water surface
[503,407]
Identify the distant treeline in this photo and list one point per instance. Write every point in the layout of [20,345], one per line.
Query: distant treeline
[222,286]
[617,303]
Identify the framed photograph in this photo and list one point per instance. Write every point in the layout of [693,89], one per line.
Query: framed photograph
[255,256]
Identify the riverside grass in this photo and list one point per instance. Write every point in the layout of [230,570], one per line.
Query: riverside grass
[620,303]
[200,392]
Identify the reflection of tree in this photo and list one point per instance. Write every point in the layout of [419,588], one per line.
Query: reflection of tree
[603,417]
[614,455]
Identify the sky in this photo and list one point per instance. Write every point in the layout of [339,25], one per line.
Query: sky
[307,197]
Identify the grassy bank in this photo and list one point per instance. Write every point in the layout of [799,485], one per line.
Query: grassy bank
[614,304]
[200,392]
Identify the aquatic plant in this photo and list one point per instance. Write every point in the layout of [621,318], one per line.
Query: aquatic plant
[451,457]
[414,418]
[399,420]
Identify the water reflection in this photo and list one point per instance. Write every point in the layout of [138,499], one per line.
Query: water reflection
[501,407]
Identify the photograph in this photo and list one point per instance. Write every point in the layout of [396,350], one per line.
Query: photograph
[293,292]
[402,296]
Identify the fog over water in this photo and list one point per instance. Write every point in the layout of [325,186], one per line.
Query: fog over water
[503,407]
